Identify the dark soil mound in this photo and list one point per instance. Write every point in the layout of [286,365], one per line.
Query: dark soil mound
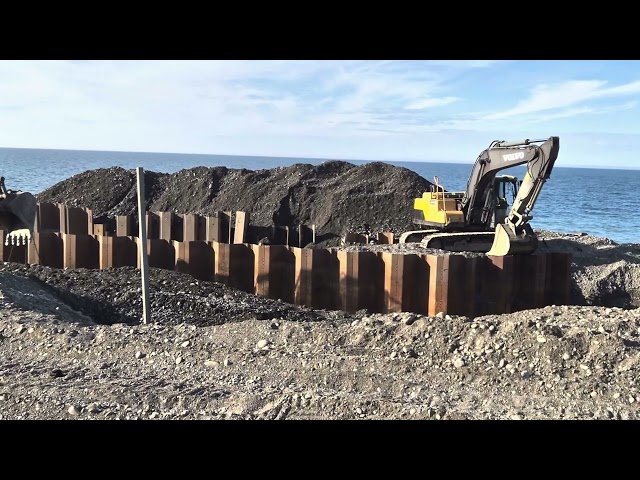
[336,196]
[113,296]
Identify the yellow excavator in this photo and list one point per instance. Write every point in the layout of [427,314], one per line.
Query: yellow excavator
[479,219]
[17,215]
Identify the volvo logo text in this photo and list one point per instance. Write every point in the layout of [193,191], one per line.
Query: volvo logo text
[513,156]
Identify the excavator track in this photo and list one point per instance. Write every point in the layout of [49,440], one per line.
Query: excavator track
[454,242]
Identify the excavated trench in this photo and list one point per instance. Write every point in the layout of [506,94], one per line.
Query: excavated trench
[337,197]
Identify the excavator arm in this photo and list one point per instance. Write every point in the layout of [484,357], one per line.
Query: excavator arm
[515,235]
[499,156]
[538,171]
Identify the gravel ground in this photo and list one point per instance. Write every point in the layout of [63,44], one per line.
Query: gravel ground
[72,345]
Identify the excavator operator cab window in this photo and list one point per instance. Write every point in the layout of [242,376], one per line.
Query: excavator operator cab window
[514,189]
[501,194]
[506,187]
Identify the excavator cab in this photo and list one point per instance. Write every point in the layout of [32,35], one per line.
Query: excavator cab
[503,195]
[503,242]
[17,215]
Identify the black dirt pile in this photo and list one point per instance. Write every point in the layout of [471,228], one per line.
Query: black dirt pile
[336,196]
[114,296]
[106,191]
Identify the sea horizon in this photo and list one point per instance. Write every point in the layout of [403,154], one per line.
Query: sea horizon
[290,157]
[574,199]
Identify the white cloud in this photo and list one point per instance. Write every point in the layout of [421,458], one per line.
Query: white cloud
[466,63]
[570,112]
[431,102]
[117,100]
[549,97]
[623,106]
[202,106]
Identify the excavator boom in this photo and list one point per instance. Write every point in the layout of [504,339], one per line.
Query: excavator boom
[515,235]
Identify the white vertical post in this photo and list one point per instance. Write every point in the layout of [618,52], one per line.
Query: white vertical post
[144,260]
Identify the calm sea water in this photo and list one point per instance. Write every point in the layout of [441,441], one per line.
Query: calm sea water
[600,202]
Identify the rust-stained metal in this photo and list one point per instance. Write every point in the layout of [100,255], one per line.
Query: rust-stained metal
[318,278]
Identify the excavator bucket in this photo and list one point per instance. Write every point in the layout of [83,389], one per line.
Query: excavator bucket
[505,242]
[18,216]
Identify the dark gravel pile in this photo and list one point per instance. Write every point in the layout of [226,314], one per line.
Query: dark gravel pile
[336,196]
[114,296]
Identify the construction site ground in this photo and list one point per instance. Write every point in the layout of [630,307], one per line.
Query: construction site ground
[72,346]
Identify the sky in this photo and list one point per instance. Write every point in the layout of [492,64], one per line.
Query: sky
[394,110]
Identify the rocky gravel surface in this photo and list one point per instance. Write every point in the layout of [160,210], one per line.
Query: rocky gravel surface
[570,362]
[72,347]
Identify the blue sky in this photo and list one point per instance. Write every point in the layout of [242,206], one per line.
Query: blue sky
[397,110]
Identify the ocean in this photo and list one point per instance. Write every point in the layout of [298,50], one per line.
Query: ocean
[601,202]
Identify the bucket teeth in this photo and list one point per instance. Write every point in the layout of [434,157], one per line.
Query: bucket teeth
[18,237]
